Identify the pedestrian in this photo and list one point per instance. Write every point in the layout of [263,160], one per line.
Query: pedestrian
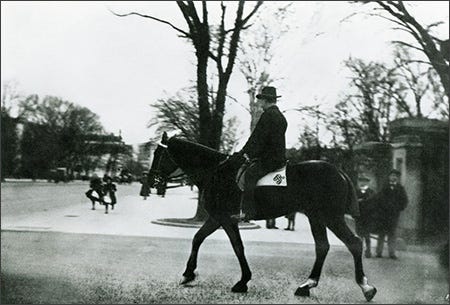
[365,222]
[95,192]
[145,187]
[291,221]
[110,190]
[392,200]
[266,147]
[271,223]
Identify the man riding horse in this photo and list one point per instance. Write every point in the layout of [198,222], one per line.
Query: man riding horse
[266,147]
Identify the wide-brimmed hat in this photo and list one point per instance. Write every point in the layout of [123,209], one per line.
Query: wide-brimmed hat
[268,92]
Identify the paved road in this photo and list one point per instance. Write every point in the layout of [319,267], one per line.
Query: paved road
[25,197]
[58,268]
[64,208]
[122,257]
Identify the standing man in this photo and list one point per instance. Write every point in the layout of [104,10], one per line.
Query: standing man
[364,222]
[393,200]
[266,145]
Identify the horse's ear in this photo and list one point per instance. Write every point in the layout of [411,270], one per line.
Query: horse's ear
[164,138]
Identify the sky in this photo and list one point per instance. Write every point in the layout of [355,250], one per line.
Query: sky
[117,67]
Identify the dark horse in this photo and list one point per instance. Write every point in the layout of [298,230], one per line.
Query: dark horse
[317,188]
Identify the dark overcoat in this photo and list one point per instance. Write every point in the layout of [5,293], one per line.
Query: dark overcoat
[392,200]
[110,190]
[267,142]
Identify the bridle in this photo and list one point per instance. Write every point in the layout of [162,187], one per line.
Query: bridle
[157,171]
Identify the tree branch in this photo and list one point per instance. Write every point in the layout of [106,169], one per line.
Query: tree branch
[407,44]
[185,34]
[258,4]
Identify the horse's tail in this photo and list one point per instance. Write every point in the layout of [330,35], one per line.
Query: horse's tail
[352,199]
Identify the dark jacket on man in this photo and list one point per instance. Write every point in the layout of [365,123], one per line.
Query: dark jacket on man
[267,141]
[392,201]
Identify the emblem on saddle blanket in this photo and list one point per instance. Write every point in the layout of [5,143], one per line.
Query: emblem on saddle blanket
[276,178]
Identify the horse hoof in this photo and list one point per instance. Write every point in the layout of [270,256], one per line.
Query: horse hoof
[187,279]
[240,287]
[302,291]
[369,294]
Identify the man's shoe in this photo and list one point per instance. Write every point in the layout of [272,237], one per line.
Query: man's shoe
[393,256]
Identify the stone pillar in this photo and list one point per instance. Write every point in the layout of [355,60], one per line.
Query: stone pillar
[420,153]
[406,153]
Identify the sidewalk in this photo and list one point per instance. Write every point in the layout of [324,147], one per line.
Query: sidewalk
[133,216]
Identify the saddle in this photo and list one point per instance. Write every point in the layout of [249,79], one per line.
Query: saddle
[275,178]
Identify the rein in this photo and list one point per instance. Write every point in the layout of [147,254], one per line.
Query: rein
[199,173]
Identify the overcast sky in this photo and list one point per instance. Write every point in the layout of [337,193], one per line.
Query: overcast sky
[116,66]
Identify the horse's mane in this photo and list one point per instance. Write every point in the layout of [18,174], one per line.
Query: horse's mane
[189,154]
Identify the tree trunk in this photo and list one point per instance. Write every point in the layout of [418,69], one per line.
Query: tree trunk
[202,91]
[217,123]
[200,214]
[202,53]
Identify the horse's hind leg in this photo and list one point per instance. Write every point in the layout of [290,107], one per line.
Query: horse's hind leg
[354,244]
[232,229]
[319,232]
[209,227]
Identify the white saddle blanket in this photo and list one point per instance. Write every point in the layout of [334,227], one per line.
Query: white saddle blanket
[276,178]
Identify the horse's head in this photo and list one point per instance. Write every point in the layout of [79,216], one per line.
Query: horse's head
[162,165]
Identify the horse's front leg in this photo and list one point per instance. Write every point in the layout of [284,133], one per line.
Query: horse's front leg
[232,229]
[209,227]
[93,204]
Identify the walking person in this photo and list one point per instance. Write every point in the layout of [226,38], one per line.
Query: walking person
[271,223]
[291,221]
[110,190]
[266,147]
[95,192]
[392,200]
[145,187]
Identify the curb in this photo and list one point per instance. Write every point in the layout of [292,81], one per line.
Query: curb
[187,223]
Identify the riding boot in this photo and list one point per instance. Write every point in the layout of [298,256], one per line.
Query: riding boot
[248,204]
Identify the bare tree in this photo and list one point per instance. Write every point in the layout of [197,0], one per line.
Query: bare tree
[435,49]
[181,113]
[221,47]
[364,112]
[440,104]
[257,52]
[416,81]
[222,51]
